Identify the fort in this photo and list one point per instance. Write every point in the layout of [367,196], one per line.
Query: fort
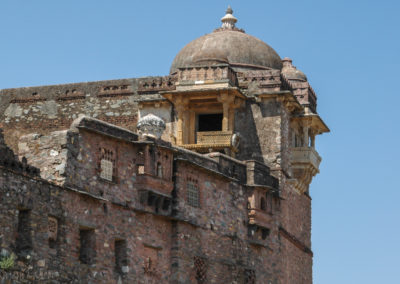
[200,176]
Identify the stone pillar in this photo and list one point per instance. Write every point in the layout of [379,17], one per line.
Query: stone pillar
[231,125]
[226,101]
[225,119]
[312,139]
[305,136]
[186,124]
[181,105]
[179,134]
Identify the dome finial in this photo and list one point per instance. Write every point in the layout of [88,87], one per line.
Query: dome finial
[228,21]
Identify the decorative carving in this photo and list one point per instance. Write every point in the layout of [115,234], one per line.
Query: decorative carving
[304,165]
[235,141]
[295,80]
[209,141]
[263,79]
[151,125]
[155,85]
[73,94]
[205,74]
[215,137]
[115,90]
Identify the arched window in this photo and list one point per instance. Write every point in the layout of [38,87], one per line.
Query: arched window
[263,204]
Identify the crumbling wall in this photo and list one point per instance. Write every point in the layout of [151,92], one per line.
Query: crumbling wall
[46,152]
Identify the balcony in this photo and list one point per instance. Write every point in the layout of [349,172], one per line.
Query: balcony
[259,217]
[209,141]
[305,165]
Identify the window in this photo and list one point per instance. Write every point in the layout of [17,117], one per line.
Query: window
[210,122]
[121,256]
[200,269]
[140,169]
[106,169]
[264,233]
[159,170]
[263,204]
[52,231]
[193,194]
[251,231]
[24,238]
[107,164]
[87,250]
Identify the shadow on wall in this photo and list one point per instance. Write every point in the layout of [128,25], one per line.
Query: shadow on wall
[249,148]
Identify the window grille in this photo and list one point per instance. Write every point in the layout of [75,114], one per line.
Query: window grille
[200,269]
[193,194]
[107,164]
[106,169]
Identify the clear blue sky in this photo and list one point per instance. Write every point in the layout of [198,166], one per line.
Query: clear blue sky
[348,49]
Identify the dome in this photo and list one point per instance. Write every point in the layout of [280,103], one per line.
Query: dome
[228,45]
[291,72]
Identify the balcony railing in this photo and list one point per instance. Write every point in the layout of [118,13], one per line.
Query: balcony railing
[306,155]
[214,140]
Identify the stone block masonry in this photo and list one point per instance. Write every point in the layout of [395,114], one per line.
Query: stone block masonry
[107,233]
[201,176]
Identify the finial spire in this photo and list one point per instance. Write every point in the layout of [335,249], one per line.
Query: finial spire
[228,21]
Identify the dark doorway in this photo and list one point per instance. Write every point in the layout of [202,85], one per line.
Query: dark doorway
[210,122]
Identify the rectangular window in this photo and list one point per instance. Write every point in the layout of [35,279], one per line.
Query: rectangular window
[106,170]
[200,267]
[159,170]
[140,169]
[209,122]
[24,237]
[87,251]
[193,194]
[52,231]
[121,256]
[107,164]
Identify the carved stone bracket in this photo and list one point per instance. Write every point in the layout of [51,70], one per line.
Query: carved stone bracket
[304,165]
